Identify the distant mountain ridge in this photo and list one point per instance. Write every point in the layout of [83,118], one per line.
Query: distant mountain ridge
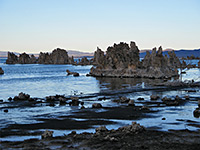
[70,53]
[77,54]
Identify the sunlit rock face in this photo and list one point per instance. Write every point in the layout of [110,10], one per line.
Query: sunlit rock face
[122,60]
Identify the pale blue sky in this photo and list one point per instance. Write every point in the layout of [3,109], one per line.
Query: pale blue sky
[42,25]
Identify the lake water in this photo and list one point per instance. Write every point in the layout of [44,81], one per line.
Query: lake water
[43,80]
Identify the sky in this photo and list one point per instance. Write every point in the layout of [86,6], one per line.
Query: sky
[43,25]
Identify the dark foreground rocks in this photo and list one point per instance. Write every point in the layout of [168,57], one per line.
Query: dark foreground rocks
[133,136]
[1,71]
[75,74]
[122,60]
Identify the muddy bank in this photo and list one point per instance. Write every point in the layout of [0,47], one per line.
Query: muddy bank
[129,137]
[80,119]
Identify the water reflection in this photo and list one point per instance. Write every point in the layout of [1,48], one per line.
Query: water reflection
[121,83]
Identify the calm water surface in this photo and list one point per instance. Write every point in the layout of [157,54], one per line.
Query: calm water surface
[44,80]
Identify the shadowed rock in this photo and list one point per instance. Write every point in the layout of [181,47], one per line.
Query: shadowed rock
[12,58]
[21,97]
[84,61]
[47,134]
[96,105]
[26,59]
[58,56]
[1,71]
[75,74]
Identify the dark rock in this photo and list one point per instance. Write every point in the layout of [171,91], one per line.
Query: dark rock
[183,72]
[62,100]
[96,105]
[145,108]
[133,128]
[58,56]
[154,97]
[140,98]
[170,102]
[122,60]
[199,64]
[187,97]
[51,98]
[82,103]
[21,96]
[124,100]
[47,134]
[166,99]
[5,110]
[12,58]
[131,103]
[189,66]
[24,59]
[1,71]
[75,74]
[173,60]
[1,100]
[183,65]
[177,98]
[196,112]
[163,118]
[99,58]
[10,98]
[102,98]
[73,133]
[101,129]
[84,61]
[75,101]
[82,107]
[44,58]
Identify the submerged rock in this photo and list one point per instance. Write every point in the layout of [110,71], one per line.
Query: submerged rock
[131,103]
[75,74]
[47,134]
[196,112]
[1,71]
[122,60]
[154,97]
[96,105]
[22,96]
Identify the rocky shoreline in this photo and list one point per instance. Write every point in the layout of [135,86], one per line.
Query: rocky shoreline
[133,136]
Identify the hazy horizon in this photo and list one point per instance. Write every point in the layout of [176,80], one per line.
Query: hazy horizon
[40,26]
